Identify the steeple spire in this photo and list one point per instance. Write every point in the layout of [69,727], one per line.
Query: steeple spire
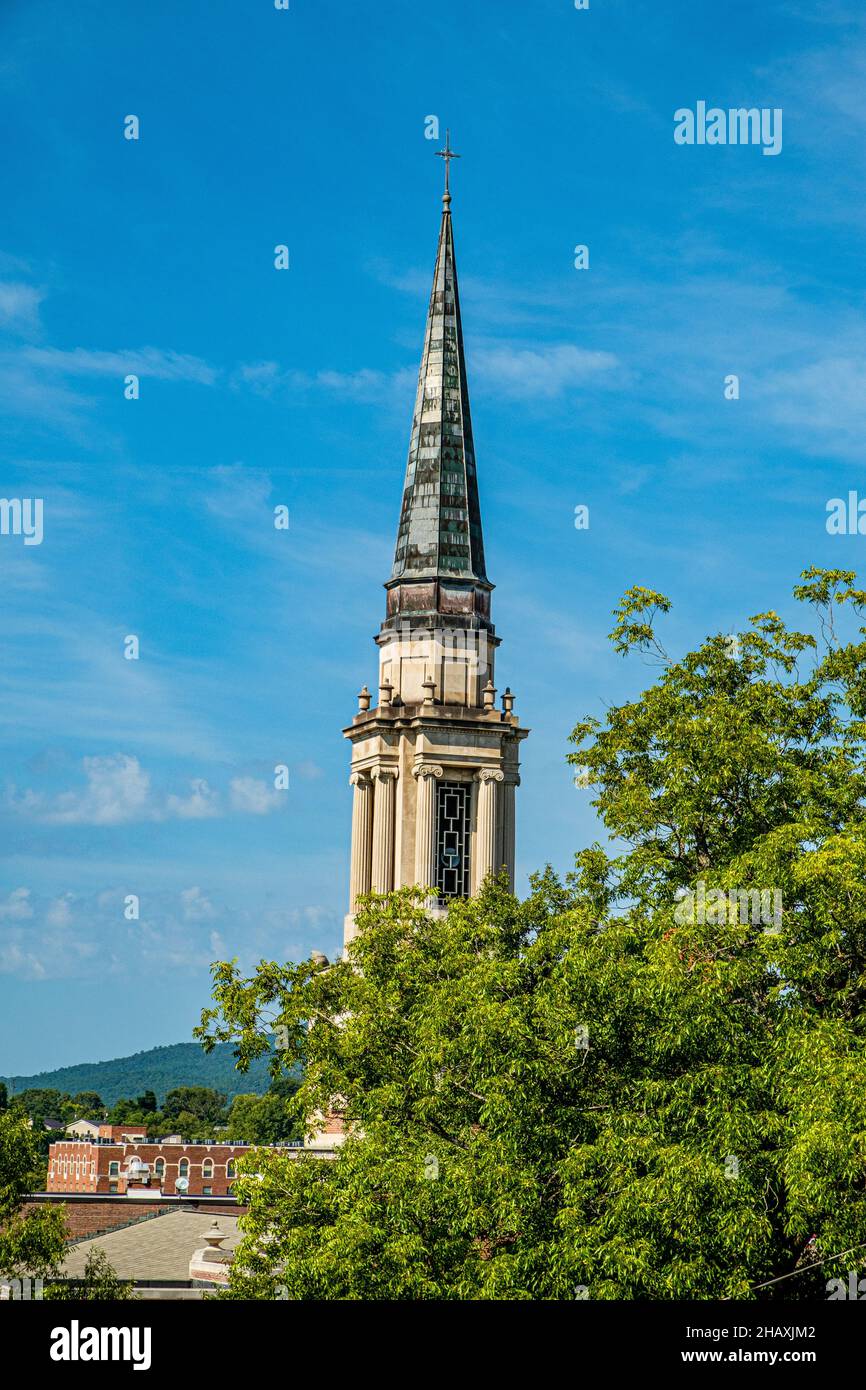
[435,764]
[439,536]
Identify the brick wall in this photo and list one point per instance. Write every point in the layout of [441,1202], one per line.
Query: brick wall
[95,1218]
[84,1219]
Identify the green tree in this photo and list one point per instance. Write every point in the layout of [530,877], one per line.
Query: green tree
[88,1105]
[205,1104]
[98,1283]
[32,1240]
[129,1112]
[284,1086]
[645,1082]
[267,1119]
[40,1105]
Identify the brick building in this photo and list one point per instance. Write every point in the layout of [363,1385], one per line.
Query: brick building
[143,1167]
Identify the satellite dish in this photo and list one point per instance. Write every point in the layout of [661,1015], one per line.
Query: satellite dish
[182,1184]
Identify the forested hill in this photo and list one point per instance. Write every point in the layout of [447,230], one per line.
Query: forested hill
[159,1069]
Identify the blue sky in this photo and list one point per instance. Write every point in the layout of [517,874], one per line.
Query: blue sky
[258,387]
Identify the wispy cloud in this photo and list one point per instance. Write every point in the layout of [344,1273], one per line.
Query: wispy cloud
[822,403]
[539,372]
[17,906]
[87,936]
[165,365]
[19,306]
[238,493]
[364,386]
[254,797]
[118,791]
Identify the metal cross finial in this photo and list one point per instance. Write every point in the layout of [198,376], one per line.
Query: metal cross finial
[447,154]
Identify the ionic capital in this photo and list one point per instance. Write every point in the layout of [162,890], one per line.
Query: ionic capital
[382,774]
[490,774]
[427,770]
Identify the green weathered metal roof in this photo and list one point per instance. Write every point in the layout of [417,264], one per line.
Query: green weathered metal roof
[440,524]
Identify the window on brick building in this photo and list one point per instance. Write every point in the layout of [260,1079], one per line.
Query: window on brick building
[114,1169]
[207,1168]
[207,1192]
[183,1168]
[230,1168]
[159,1168]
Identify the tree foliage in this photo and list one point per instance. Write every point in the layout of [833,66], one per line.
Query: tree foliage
[32,1240]
[99,1283]
[603,1089]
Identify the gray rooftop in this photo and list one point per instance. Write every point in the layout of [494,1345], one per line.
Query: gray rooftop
[158,1248]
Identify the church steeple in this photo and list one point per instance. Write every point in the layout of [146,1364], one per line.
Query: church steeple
[434,762]
[439,537]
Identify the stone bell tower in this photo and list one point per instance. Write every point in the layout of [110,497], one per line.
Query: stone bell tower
[435,762]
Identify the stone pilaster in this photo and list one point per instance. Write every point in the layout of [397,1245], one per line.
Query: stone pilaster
[384,827]
[426,776]
[360,874]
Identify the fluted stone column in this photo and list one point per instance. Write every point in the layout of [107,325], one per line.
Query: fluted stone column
[383,828]
[360,872]
[508,827]
[426,776]
[487,779]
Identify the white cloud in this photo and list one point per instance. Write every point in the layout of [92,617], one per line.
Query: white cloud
[146,362]
[253,796]
[365,386]
[59,912]
[25,391]
[310,771]
[239,493]
[824,400]
[19,306]
[196,906]
[14,961]
[117,791]
[17,907]
[201,804]
[368,386]
[543,371]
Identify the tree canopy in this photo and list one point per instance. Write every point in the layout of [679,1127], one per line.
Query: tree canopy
[32,1240]
[644,1081]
